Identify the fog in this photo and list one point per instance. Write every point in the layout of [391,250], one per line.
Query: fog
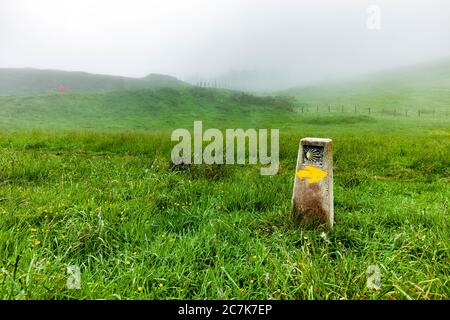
[258,44]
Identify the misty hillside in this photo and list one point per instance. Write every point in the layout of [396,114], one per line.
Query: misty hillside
[417,87]
[153,109]
[35,81]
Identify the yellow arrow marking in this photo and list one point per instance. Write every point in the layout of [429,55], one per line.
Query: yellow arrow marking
[311,173]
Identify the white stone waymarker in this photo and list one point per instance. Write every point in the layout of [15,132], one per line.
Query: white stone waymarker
[312,198]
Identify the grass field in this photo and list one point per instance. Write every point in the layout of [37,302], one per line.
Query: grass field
[93,185]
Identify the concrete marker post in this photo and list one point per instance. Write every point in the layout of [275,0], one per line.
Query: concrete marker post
[312,198]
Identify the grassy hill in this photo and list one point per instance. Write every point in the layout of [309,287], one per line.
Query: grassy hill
[164,109]
[422,87]
[149,109]
[34,81]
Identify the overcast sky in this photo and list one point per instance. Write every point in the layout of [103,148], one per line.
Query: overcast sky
[302,40]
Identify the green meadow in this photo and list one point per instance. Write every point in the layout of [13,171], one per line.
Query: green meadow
[86,179]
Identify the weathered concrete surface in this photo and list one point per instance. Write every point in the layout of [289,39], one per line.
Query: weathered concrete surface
[313,202]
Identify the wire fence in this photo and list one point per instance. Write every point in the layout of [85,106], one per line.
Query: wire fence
[370,110]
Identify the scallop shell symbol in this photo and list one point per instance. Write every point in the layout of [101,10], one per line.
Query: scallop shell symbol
[312,155]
